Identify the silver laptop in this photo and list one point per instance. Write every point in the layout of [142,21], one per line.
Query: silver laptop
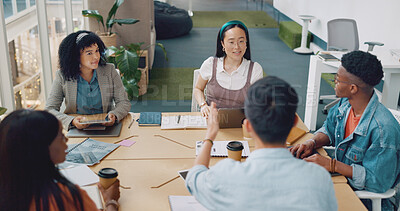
[231,117]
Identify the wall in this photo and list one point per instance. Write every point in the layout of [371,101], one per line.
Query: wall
[376,20]
[126,34]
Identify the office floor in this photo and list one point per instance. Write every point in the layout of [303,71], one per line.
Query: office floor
[266,48]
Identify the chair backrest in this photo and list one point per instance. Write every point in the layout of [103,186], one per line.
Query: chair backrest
[342,34]
[195,105]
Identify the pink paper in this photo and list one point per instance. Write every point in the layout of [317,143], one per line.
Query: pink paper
[127,143]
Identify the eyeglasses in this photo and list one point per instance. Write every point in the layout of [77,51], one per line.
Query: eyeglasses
[335,80]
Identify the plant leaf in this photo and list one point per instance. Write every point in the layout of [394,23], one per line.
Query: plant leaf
[125,21]
[3,110]
[112,12]
[127,63]
[93,14]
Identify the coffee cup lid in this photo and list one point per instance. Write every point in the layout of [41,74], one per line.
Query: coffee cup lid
[108,173]
[234,146]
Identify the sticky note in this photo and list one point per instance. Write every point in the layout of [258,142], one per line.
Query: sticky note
[127,143]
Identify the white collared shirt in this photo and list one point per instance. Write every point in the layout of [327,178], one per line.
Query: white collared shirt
[234,81]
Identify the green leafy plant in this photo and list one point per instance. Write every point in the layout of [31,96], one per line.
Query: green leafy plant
[111,20]
[2,110]
[126,59]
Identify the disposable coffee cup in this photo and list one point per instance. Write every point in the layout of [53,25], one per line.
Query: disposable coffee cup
[107,177]
[235,150]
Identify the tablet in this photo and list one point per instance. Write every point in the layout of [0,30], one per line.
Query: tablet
[95,119]
[111,131]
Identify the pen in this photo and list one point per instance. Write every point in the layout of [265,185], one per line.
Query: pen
[179,119]
[133,120]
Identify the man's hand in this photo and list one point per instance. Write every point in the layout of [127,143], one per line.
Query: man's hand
[303,150]
[212,122]
[112,119]
[320,160]
[77,122]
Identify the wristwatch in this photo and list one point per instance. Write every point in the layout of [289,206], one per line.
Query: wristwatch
[203,104]
[113,202]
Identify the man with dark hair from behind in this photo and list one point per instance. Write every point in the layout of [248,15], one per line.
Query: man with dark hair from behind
[271,178]
[364,132]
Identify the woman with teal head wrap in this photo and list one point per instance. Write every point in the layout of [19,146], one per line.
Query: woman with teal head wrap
[229,74]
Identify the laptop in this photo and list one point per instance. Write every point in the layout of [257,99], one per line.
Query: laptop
[112,131]
[231,117]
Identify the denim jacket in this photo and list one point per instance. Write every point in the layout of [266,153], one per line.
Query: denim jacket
[373,149]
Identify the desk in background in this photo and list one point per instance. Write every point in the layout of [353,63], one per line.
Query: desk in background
[153,161]
[390,92]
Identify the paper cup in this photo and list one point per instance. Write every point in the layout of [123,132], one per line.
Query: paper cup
[235,150]
[107,177]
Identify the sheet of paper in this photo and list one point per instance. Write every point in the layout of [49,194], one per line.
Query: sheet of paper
[80,175]
[219,148]
[184,203]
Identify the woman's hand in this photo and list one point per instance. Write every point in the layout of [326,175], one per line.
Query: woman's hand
[111,192]
[205,111]
[112,119]
[77,122]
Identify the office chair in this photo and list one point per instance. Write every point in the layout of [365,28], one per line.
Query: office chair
[195,105]
[343,36]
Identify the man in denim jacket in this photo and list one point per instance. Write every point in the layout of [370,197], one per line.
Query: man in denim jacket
[364,132]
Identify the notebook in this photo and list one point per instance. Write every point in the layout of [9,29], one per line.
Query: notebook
[219,148]
[150,119]
[185,203]
[231,117]
[78,174]
[111,131]
[89,151]
[183,122]
[94,194]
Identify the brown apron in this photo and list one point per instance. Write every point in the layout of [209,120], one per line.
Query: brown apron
[226,98]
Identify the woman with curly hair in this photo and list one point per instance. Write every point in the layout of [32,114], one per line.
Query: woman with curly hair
[31,144]
[86,82]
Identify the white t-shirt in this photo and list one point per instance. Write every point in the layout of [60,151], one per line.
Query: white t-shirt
[234,81]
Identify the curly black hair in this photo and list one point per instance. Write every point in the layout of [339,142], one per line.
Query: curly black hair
[70,50]
[364,65]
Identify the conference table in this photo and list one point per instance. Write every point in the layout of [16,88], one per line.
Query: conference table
[148,169]
[390,92]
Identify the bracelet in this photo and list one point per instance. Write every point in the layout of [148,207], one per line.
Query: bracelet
[113,202]
[332,167]
[212,143]
[315,143]
[203,104]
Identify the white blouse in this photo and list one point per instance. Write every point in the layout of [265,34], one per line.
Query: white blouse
[234,81]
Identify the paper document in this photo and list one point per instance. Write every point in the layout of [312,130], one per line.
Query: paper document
[183,121]
[89,151]
[185,203]
[80,175]
[219,148]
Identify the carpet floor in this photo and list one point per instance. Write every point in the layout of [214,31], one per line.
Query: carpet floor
[252,19]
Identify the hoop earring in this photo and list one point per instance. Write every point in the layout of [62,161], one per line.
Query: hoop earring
[223,49]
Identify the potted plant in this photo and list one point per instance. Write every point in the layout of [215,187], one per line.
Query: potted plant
[107,35]
[126,59]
